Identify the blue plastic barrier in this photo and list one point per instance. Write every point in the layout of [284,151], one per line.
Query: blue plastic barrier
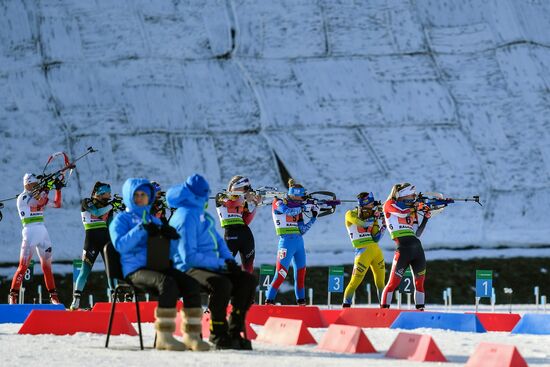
[532,323]
[17,314]
[435,320]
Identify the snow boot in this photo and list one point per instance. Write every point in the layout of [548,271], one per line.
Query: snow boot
[165,325]
[219,336]
[237,330]
[191,328]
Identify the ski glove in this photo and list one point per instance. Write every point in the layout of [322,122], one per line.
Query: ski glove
[152,229]
[231,266]
[169,232]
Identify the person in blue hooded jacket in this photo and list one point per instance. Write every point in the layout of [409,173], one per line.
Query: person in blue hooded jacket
[130,232]
[203,254]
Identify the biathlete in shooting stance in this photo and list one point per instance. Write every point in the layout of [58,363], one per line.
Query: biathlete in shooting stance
[401,215]
[365,228]
[96,212]
[290,227]
[236,213]
[131,231]
[31,204]
[203,254]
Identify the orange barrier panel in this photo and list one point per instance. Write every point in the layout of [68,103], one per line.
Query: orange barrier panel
[285,332]
[496,355]
[415,347]
[346,339]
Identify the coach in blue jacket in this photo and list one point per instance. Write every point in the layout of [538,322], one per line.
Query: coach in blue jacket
[130,232]
[203,254]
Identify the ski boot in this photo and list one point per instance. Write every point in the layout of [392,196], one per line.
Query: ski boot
[13,297]
[75,305]
[54,298]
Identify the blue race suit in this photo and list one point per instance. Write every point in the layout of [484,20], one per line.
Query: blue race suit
[290,227]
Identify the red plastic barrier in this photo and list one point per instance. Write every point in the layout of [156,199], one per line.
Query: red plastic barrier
[285,332]
[368,317]
[415,347]
[146,309]
[330,316]
[496,355]
[498,321]
[346,339]
[63,323]
[310,315]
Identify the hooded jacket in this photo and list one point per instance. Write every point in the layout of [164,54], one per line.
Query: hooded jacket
[200,245]
[128,235]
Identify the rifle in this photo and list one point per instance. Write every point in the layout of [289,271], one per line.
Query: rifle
[436,202]
[326,205]
[58,176]
[266,194]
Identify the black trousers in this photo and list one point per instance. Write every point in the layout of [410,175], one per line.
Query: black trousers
[94,242]
[410,253]
[239,239]
[239,288]
[169,286]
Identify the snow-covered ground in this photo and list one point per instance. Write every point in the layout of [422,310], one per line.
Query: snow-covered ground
[84,349]
[349,95]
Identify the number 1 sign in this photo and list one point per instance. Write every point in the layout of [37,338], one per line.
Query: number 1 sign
[484,283]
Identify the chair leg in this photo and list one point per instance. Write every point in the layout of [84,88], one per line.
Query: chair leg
[111,317]
[139,321]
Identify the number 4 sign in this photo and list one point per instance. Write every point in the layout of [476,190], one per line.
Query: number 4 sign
[267,272]
[484,283]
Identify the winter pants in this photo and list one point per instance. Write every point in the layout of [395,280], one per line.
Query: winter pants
[290,250]
[35,236]
[239,239]
[239,288]
[169,286]
[369,256]
[409,252]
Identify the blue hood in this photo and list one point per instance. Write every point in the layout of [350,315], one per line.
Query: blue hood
[128,190]
[181,195]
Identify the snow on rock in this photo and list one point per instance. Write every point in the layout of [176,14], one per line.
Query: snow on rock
[350,96]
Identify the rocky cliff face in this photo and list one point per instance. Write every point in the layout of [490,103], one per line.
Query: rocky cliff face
[349,96]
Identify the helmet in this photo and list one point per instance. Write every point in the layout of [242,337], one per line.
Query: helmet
[365,198]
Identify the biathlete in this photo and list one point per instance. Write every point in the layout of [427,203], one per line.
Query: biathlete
[365,228]
[401,213]
[96,212]
[31,204]
[288,216]
[236,212]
